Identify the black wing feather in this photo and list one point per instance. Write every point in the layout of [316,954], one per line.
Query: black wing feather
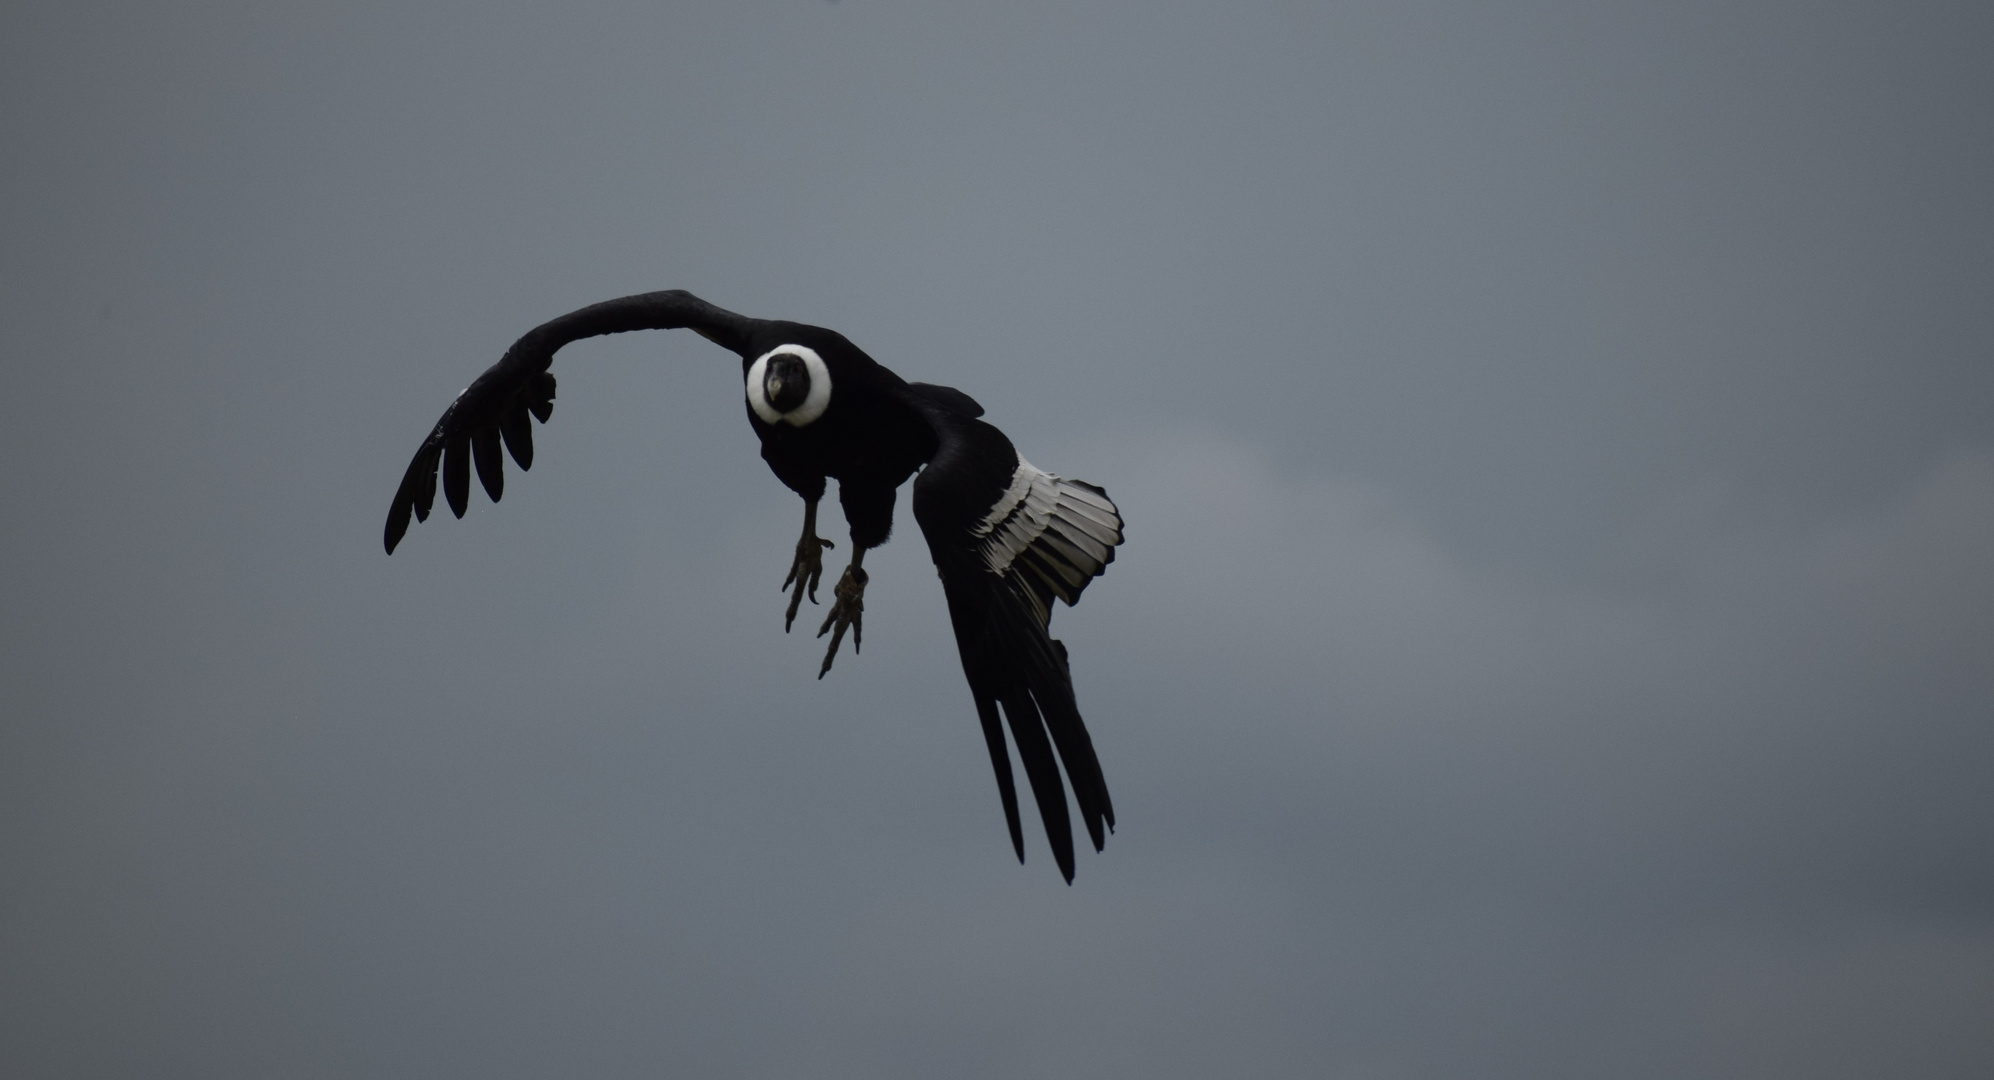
[492,411]
[485,453]
[428,497]
[1000,761]
[457,473]
[518,432]
[1028,731]
[1051,684]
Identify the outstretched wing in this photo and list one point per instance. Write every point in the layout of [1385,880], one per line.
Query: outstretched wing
[1007,539]
[495,407]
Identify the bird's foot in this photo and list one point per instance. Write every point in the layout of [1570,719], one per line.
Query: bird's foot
[804,573]
[848,609]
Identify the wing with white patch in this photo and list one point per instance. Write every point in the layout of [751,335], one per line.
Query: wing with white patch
[1008,537]
[1054,534]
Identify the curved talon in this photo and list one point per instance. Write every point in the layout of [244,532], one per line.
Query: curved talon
[804,572]
[848,609]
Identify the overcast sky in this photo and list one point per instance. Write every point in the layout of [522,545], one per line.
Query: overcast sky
[1555,636]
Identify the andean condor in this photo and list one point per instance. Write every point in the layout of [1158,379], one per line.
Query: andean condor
[1006,537]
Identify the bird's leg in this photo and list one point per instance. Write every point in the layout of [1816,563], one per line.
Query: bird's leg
[848,609]
[808,565]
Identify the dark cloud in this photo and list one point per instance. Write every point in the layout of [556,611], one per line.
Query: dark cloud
[1551,639]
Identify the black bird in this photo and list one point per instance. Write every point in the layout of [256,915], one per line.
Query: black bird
[1006,537]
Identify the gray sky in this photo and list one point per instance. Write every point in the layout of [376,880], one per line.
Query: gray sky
[1557,441]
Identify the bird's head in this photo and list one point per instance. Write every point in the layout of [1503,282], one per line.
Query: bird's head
[786,382]
[789,384]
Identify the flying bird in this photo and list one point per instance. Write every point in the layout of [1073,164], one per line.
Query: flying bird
[1006,537]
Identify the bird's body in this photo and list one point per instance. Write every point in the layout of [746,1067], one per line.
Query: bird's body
[867,437]
[1005,536]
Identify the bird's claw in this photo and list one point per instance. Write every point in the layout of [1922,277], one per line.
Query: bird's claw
[804,573]
[847,609]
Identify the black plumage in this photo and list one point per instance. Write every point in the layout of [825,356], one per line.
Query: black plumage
[1006,537]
